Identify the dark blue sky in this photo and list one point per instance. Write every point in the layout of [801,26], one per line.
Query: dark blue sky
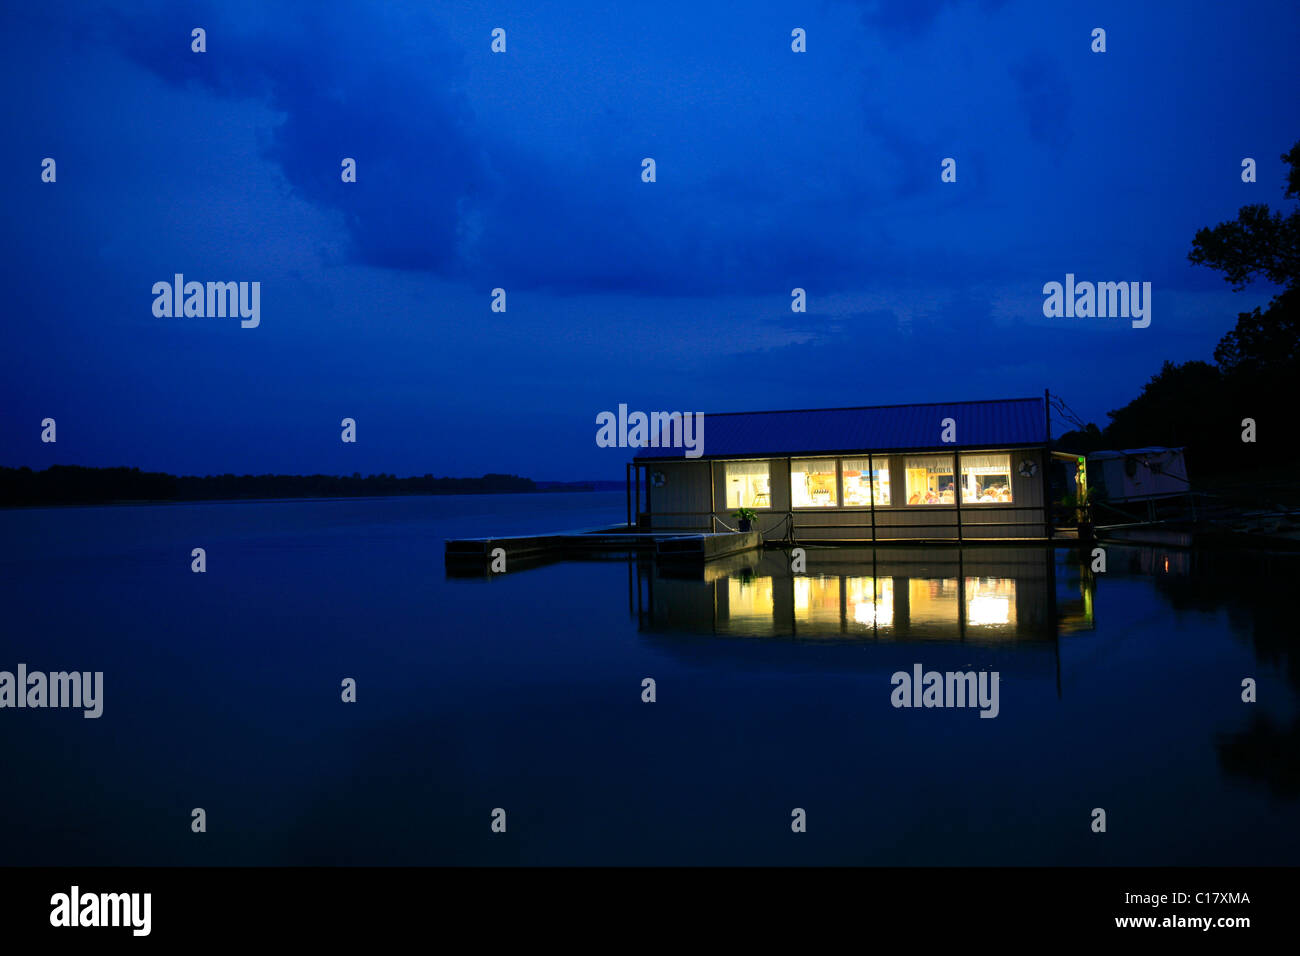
[522,170]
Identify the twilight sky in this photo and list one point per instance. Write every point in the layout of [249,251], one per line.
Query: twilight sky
[522,170]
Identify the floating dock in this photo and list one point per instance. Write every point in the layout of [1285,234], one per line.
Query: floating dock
[475,556]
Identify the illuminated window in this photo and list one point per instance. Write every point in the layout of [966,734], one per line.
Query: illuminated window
[985,479]
[748,484]
[930,480]
[859,481]
[812,484]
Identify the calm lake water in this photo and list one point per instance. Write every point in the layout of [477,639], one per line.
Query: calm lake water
[1119,690]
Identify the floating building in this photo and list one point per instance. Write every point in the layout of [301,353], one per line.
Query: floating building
[957,471]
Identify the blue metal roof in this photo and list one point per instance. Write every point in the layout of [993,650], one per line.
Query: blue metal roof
[991,424]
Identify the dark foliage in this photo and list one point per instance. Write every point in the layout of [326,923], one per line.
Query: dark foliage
[1202,406]
[72,484]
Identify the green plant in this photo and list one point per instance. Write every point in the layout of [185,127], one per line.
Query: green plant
[745,514]
[1091,495]
[1082,503]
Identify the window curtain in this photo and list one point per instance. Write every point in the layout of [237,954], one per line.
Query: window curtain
[986,464]
[935,466]
[817,467]
[737,469]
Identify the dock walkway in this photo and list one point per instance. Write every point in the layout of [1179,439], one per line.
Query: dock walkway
[477,554]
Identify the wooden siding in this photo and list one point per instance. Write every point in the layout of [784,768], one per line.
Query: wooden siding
[682,501]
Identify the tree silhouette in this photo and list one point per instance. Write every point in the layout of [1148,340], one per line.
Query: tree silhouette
[1259,243]
[1256,365]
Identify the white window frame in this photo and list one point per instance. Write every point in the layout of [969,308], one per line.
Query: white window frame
[1011,481]
[874,465]
[835,470]
[951,458]
[754,463]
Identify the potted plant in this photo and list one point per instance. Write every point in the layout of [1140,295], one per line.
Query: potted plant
[745,518]
[1093,495]
[1081,504]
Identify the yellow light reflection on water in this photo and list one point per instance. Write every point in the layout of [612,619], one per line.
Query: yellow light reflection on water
[869,602]
[932,600]
[749,602]
[990,602]
[817,600]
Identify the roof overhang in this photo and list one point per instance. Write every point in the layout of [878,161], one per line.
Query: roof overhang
[845,452]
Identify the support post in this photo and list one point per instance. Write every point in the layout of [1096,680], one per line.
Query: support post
[713,500]
[871,503]
[1047,463]
[957,489]
[1053,615]
[961,596]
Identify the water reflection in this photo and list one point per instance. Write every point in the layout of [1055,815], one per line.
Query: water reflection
[969,595]
[1254,591]
[1013,608]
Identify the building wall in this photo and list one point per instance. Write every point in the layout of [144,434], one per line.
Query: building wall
[686,489]
[1112,475]
[991,521]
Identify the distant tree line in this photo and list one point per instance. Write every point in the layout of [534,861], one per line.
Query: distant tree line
[1256,368]
[73,484]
